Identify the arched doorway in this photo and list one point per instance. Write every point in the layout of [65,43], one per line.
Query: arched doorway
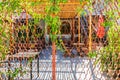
[65,28]
[66,32]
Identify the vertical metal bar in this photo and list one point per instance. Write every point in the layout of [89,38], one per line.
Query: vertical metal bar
[38,66]
[31,70]
[20,65]
[8,69]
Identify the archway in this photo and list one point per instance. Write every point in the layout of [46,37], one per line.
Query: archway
[65,28]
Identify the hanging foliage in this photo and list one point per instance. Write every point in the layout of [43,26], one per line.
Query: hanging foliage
[52,19]
[7,8]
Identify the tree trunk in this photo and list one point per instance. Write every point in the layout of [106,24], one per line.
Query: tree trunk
[53,61]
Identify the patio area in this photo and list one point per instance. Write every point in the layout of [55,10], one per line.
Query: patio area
[78,68]
[60,40]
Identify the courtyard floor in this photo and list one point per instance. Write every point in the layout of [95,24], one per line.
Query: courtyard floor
[78,68]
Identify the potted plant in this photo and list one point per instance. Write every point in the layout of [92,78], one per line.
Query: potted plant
[108,56]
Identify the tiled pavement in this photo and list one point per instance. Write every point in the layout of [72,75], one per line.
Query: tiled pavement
[77,68]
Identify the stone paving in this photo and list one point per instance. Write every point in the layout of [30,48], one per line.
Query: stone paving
[78,68]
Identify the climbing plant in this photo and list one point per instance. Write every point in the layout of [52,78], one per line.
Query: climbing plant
[108,56]
[53,21]
[7,8]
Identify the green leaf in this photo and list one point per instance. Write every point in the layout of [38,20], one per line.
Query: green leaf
[63,1]
[1,21]
[3,34]
[92,54]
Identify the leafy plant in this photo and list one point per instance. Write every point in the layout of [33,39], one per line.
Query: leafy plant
[92,54]
[108,56]
[13,74]
[53,21]
[7,7]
